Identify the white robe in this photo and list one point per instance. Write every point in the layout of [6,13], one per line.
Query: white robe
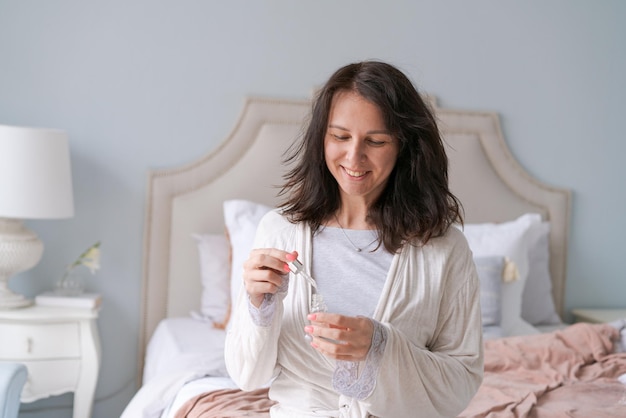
[433,360]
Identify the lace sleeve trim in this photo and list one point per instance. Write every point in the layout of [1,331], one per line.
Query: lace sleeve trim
[264,314]
[346,379]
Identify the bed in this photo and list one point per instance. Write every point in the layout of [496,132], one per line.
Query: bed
[200,219]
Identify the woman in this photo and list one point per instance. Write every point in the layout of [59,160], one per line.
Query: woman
[368,212]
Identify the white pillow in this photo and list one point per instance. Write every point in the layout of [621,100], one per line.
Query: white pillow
[241,218]
[537,302]
[508,239]
[213,250]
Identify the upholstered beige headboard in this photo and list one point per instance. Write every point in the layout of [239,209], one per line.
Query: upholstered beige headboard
[490,183]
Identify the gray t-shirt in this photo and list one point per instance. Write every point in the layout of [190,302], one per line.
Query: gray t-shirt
[349,281]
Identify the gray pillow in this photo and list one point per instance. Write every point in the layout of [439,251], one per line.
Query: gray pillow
[489,269]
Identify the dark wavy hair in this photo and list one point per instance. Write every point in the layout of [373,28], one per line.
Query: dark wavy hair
[416,202]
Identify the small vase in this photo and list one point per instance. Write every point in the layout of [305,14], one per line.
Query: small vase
[70,285]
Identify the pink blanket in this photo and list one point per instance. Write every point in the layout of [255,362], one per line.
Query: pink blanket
[227,403]
[568,373]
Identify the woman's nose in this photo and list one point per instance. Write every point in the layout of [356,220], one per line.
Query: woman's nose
[356,150]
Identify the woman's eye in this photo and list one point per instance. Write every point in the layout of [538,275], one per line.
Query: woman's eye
[341,137]
[376,143]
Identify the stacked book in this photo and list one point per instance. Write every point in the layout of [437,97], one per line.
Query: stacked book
[83,300]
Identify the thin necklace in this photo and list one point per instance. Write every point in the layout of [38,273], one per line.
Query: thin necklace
[357,249]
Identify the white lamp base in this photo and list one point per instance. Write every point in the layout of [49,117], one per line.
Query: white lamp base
[20,249]
[10,300]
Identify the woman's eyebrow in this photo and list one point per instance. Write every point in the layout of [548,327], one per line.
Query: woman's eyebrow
[376,131]
[381,131]
[332,125]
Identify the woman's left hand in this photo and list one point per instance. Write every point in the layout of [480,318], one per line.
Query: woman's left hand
[340,337]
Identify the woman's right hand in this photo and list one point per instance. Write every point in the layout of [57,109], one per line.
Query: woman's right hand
[263,272]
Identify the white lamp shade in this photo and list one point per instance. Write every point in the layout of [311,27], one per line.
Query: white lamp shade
[35,173]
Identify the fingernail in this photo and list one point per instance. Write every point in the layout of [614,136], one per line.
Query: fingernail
[311,317]
[290,257]
[286,268]
[308,329]
[314,345]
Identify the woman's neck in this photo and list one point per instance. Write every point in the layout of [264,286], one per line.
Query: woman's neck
[350,218]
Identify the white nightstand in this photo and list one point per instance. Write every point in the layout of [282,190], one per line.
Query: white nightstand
[59,346]
[598,315]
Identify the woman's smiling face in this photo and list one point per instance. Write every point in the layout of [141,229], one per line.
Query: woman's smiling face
[359,150]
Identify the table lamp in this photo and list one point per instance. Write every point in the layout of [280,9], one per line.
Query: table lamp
[35,183]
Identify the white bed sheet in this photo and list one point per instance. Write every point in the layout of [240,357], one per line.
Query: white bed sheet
[551,327]
[185,343]
[182,353]
[491,332]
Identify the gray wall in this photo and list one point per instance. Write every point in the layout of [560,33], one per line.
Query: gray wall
[150,84]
